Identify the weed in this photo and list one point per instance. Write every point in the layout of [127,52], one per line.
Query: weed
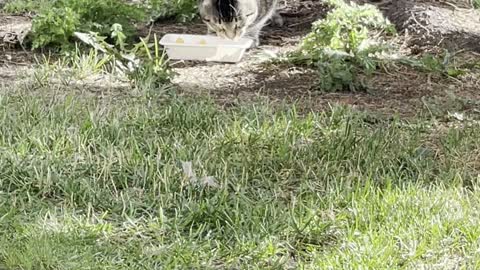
[476,3]
[56,23]
[444,64]
[144,63]
[341,45]
[153,69]
[74,65]
[54,26]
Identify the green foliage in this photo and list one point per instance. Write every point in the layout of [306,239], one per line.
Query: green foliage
[55,24]
[100,15]
[444,64]
[144,63]
[341,45]
[22,6]
[152,70]
[476,3]
[57,20]
[181,10]
[90,182]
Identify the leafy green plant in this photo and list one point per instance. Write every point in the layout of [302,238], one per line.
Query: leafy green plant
[56,20]
[476,3]
[153,69]
[341,45]
[55,25]
[444,64]
[144,63]
[100,15]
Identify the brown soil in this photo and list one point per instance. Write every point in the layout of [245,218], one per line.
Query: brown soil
[437,23]
[13,30]
[402,90]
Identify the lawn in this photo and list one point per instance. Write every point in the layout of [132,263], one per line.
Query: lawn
[341,153]
[91,183]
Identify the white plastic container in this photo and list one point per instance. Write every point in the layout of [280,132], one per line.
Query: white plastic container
[204,48]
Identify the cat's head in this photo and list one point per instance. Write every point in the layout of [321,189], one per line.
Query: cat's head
[228,18]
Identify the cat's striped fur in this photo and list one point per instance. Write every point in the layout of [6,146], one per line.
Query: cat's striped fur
[234,19]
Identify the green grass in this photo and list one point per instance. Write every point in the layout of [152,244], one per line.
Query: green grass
[476,3]
[96,182]
[89,183]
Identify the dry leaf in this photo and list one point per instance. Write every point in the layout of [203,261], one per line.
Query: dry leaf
[188,172]
[207,181]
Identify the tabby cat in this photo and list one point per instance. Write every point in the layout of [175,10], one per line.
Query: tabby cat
[234,19]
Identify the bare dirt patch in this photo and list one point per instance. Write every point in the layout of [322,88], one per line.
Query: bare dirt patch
[437,24]
[453,25]
[403,91]
[13,30]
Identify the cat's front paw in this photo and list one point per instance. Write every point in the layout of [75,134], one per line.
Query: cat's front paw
[210,32]
[255,43]
[277,20]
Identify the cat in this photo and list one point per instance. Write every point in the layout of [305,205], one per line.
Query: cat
[235,19]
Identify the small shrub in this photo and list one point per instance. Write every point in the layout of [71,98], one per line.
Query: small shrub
[55,25]
[341,45]
[56,20]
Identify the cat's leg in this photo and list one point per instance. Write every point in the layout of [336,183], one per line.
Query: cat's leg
[254,34]
[256,41]
[277,19]
[210,32]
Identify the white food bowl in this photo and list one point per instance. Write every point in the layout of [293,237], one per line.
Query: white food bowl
[204,48]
